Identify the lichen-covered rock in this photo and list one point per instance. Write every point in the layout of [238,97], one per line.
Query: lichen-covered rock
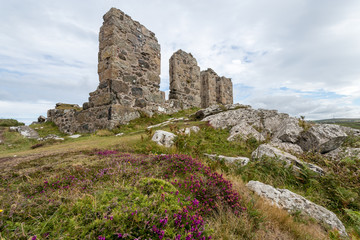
[293,202]
[341,153]
[289,130]
[322,138]
[214,109]
[25,131]
[287,147]
[242,160]
[163,138]
[270,151]
[187,131]
[244,131]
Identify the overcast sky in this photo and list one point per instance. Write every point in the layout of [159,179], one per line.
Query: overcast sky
[300,57]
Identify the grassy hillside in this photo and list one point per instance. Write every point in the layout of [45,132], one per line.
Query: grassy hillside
[101,186]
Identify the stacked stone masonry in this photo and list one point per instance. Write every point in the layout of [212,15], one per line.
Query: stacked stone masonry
[129,76]
[193,88]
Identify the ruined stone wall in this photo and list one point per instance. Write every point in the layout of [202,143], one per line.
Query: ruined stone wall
[184,79]
[129,75]
[208,87]
[224,91]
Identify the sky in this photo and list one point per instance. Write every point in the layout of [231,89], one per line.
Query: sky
[300,57]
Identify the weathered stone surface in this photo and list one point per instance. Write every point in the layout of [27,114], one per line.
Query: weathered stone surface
[322,138]
[187,131]
[75,136]
[287,147]
[208,88]
[129,75]
[128,68]
[244,131]
[163,138]
[214,109]
[224,90]
[341,153]
[25,131]
[184,79]
[51,136]
[293,202]
[270,151]
[242,160]
[289,130]
[41,119]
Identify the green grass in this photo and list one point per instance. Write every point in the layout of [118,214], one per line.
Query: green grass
[46,128]
[338,190]
[10,123]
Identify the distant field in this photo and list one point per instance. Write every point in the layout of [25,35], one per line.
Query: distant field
[347,122]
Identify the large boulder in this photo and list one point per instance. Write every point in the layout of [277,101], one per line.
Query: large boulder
[26,131]
[272,152]
[293,202]
[214,109]
[244,131]
[163,138]
[322,138]
[288,131]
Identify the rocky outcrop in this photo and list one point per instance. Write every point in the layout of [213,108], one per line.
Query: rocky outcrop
[244,131]
[272,152]
[214,109]
[163,138]
[289,131]
[25,131]
[322,138]
[242,160]
[341,153]
[293,202]
[188,130]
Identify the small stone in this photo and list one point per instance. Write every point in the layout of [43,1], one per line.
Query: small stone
[163,138]
[75,136]
[242,160]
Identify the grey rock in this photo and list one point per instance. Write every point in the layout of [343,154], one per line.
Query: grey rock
[287,147]
[75,136]
[322,138]
[119,134]
[293,202]
[244,131]
[270,151]
[214,109]
[289,130]
[341,153]
[51,136]
[41,119]
[187,131]
[163,138]
[242,160]
[25,131]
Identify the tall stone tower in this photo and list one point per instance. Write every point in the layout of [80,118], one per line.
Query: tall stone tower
[184,79]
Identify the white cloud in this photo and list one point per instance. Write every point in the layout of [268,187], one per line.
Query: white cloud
[49,49]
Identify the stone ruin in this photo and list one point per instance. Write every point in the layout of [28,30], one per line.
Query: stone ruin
[129,75]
